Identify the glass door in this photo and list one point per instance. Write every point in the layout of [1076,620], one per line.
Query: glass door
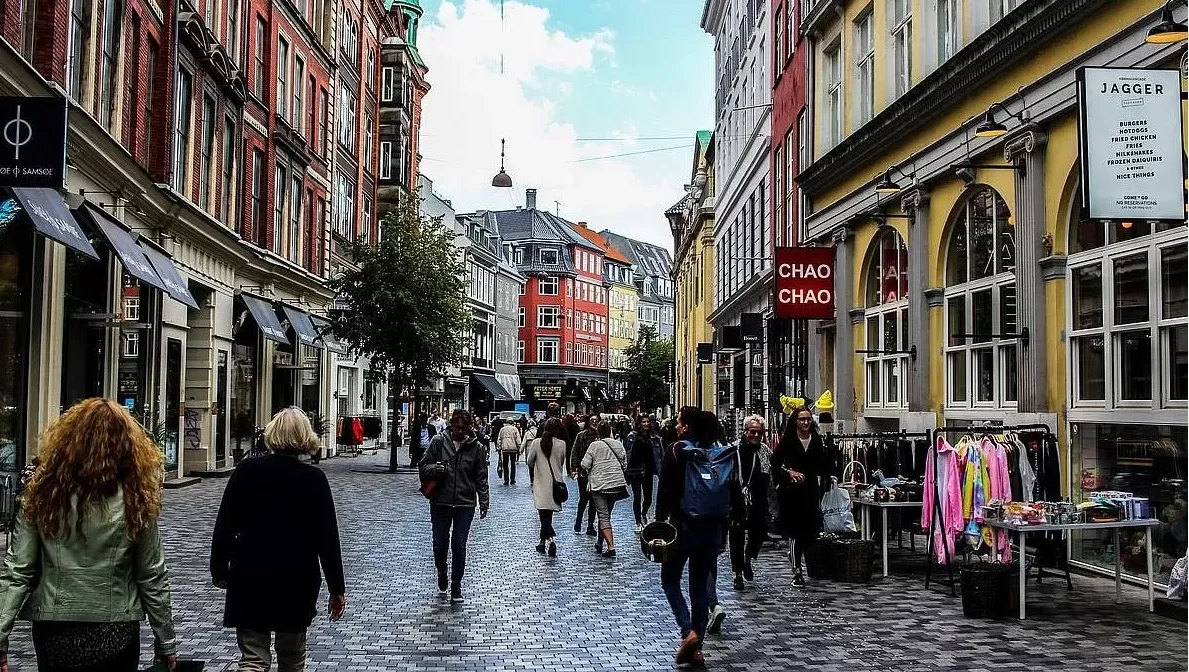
[221,410]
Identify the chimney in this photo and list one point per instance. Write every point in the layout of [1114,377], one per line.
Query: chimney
[582,224]
[530,199]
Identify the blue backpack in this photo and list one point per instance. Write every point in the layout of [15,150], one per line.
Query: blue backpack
[708,475]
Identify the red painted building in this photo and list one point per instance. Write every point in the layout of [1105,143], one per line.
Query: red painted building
[790,120]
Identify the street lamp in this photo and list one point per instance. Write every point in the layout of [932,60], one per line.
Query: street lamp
[990,128]
[502,179]
[886,185]
[1168,31]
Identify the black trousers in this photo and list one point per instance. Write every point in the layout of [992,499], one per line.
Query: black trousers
[642,497]
[584,502]
[509,467]
[745,539]
[547,531]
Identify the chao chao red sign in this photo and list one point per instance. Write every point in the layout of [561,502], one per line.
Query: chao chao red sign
[805,282]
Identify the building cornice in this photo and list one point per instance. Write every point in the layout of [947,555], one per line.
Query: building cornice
[1019,34]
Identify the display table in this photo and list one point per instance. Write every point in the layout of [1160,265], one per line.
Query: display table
[1023,530]
[867,505]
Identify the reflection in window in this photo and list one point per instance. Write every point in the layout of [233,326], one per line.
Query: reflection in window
[1135,365]
[886,298]
[1131,289]
[1090,355]
[1087,297]
[1174,282]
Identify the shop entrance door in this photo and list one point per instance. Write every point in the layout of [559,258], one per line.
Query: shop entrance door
[221,405]
[171,414]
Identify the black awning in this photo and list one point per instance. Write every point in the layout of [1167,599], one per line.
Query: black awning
[48,213]
[120,241]
[175,286]
[299,320]
[585,392]
[492,386]
[325,333]
[266,318]
[600,394]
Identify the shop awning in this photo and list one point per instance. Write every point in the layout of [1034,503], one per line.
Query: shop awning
[323,328]
[120,241]
[266,318]
[510,382]
[48,213]
[600,394]
[299,320]
[492,386]
[585,392]
[175,286]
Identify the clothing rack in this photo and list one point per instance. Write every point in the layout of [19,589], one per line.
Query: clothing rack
[937,523]
[902,434]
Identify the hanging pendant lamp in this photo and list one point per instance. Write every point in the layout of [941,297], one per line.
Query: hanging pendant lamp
[502,179]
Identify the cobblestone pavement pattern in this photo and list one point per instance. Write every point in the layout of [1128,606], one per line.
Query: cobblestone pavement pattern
[582,612]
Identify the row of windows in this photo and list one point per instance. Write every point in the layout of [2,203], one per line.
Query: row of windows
[549,352]
[588,261]
[744,249]
[482,283]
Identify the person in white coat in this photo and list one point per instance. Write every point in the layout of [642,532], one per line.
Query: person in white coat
[509,446]
[552,453]
[604,461]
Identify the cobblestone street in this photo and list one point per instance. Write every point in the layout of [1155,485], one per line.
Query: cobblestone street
[583,612]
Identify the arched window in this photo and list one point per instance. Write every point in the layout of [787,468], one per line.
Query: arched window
[980,304]
[886,301]
[1128,319]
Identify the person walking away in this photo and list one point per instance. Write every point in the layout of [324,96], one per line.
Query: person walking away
[452,507]
[801,472]
[669,432]
[276,525]
[85,563]
[603,463]
[698,495]
[748,534]
[509,446]
[644,463]
[551,451]
[574,465]
[526,441]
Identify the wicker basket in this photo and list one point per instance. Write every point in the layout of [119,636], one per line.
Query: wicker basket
[854,559]
[986,589]
[819,559]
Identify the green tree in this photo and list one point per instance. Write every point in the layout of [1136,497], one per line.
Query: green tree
[405,305]
[646,369]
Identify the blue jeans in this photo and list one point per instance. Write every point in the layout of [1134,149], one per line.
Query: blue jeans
[451,527]
[701,569]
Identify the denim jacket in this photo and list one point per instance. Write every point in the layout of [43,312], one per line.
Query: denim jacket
[100,576]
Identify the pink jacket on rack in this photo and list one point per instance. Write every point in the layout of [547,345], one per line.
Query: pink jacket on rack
[995,457]
[949,490]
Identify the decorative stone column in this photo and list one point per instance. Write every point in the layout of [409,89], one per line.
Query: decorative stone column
[1026,148]
[916,204]
[844,341]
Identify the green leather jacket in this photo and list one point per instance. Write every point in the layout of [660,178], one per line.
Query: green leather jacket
[99,577]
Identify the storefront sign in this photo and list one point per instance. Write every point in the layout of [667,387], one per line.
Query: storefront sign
[546,391]
[1131,144]
[32,142]
[805,282]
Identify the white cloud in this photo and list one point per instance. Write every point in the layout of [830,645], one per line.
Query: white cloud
[471,106]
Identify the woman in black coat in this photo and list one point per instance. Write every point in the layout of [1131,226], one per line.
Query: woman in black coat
[276,525]
[800,468]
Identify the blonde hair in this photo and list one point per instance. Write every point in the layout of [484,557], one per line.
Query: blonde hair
[755,418]
[94,450]
[289,431]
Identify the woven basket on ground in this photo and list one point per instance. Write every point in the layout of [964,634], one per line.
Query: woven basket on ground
[854,559]
[986,589]
[819,559]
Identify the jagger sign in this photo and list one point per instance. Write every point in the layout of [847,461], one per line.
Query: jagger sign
[805,282]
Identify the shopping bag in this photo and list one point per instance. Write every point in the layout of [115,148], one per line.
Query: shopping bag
[836,510]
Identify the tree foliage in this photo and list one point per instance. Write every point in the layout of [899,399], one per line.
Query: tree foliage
[405,300]
[646,370]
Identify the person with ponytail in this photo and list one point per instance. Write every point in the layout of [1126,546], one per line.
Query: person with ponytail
[551,450]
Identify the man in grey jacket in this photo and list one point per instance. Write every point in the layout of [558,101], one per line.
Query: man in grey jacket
[458,462]
[574,466]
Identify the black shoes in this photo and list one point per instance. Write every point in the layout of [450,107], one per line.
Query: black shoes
[738,582]
[799,580]
[541,547]
[747,572]
[442,582]
[609,553]
[456,593]
[552,548]
[591,531]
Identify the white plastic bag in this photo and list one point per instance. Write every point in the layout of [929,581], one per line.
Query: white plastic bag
[836,510]
[1177,580]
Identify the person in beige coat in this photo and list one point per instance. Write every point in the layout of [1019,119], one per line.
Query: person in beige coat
[552,453]
[509,446]
[604,462]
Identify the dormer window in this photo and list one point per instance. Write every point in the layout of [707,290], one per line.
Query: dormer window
[549,257]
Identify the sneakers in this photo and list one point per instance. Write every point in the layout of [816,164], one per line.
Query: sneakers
[552,548]
[443,584]
[717,615]
[738,582]
[639,528]
[456,593]
[747,571]
[541,547]
[609,553]
[686,648]
[799,580]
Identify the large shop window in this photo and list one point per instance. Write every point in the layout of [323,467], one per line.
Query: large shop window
[16,257]
[84,327]
[886,302]
[1147,461]
[1128,319]
[980,305]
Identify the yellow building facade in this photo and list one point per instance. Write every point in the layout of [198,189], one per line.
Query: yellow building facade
[692,222]
[970,286]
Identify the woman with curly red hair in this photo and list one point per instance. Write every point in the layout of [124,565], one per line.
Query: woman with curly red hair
[85,562]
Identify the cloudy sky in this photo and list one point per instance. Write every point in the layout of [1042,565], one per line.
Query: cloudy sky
[582,80]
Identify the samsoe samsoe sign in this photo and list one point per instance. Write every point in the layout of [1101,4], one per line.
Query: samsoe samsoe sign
[805,283]
[1131,144]
[32,142]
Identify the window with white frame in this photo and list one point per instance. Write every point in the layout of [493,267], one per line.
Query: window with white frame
[948,18]
[549,257]
[865,66]
[886,316]
[132,308]
[547,286]
[548,317]
[519,352]
[901,46]
[385,160]
[299,78]
[980,305]
[1128,320]
[834,103]
[282,77]
[1001,8]
[387,84]
[130,344]
[547,350]
[520,316]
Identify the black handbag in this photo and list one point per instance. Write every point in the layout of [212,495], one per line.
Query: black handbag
[560,492]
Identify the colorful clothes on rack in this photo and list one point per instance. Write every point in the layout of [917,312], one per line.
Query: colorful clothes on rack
[943,511]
